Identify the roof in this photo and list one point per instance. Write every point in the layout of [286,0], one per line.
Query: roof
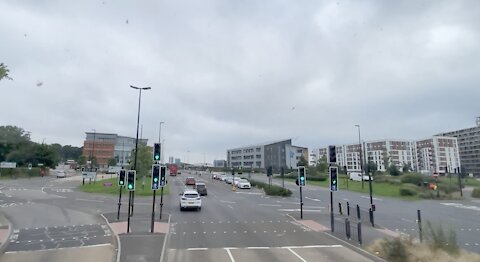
[190,191]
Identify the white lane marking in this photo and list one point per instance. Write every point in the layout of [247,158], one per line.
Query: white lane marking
[249,193]
[312,246]
[89,200]
[62,248]
[230,254]
[197,248]
[297,255]
[269,205]
[475,208]
[298,210]
[313,207]
[407,220]
[258,247]
[313,199]
[374,198]
[228,202]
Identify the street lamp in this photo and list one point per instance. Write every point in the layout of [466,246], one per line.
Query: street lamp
[136,139]
[160,141]
[361,162]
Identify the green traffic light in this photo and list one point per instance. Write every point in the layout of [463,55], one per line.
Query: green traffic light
[130,186]
[157,157]
[121,182]
[155,179]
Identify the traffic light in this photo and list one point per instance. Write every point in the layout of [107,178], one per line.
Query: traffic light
[332,154]
[301,176]
[269,171]
[155,176]
[163,173]
[131,180]
[121,177]
[156,152]
[333,178]
[233,171]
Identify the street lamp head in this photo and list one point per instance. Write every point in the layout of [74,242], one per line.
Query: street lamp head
[143,88]
[357,126]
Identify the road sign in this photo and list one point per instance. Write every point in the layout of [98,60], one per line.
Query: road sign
[8,165]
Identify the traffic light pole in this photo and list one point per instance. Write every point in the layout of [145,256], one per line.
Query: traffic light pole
[152,225]
[301,203]
[332,224]
[161,202]
[119,202]
[129,203]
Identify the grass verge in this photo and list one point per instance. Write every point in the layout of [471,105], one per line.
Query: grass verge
[99,187]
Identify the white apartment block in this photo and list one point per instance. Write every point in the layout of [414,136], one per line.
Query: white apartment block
[437,153]
[315,155]
[391,152]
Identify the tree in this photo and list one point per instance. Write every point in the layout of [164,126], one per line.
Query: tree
[144,160]
[372,167]
[322,165]
[112,162]
[302,161]
[82,160]
[45,155]
[406,168]
[12,138]
[4,72]
[393,170]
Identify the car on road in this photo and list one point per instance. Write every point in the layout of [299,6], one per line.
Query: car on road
[190,199]
[61,174]
[244,184]
[222,177]
[235,180]
[190,181]
[201,188]
[357,176]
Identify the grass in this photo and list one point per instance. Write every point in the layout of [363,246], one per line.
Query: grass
[100,188]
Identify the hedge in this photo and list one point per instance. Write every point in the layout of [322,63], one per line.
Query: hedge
[408,190]
[271,190]
[476,192]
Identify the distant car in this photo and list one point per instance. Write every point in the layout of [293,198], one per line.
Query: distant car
[229,180]
[201,188]
[235,180]
[222,177]
[357,176]
[190,199]
[243,183]
[61,174]
[190,181]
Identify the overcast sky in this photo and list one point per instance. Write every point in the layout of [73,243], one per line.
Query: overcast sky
[231,73]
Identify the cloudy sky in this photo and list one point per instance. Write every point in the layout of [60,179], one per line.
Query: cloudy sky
[230,73]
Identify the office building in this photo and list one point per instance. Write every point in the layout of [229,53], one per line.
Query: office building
[105,146]
[219,163]
[276,154]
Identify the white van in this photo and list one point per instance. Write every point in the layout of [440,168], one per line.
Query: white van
[357,176]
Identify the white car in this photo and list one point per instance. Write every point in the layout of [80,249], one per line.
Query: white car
[356,176]
[243,183]
[190,199]
[235,180]
[61,174]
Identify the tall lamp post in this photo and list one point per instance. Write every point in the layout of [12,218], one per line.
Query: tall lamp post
[361,160]
[140,89]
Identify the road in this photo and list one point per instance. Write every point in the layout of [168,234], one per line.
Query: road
[398,215]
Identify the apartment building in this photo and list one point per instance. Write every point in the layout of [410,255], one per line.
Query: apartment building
[315,155]
[437,153]
[391,152]
[468,148]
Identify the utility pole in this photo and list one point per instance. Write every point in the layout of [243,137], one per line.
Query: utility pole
[361,161]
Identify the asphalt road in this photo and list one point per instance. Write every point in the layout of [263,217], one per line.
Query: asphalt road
[246,225]
[50,222]
[398,215]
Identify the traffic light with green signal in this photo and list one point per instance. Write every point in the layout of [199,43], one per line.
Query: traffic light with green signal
[301,176]
[333,178]
[121,177]
[156,152]
[131,174]
[155,177]
[163,173]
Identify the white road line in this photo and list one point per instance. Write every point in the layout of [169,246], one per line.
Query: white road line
[258,247]
[89,200]
[297,210]
[269,205]
[313,199]
[297,255]
[197,248]
[62,248]
[230,254]
[228,202]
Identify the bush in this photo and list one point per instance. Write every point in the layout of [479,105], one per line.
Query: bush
[476,192]
[271,190]
[447,188]
[438,239]
[415,179]
[408,190]
[395,250]
[317,178]
[428,194]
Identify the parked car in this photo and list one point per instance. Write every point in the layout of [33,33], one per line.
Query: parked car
[201,188]
[190,181]
[229,180]
[190,199]
[61,174]
[236,179]
[243,183]
[222,177]
[357,176]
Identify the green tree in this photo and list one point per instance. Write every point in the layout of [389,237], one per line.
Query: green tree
[12,138]
[406,168]
[112,162]
[302,161]
[393,170]
[372,167]
[82,160]
[322,165]
[144,160]
[4,72]
[46,155]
